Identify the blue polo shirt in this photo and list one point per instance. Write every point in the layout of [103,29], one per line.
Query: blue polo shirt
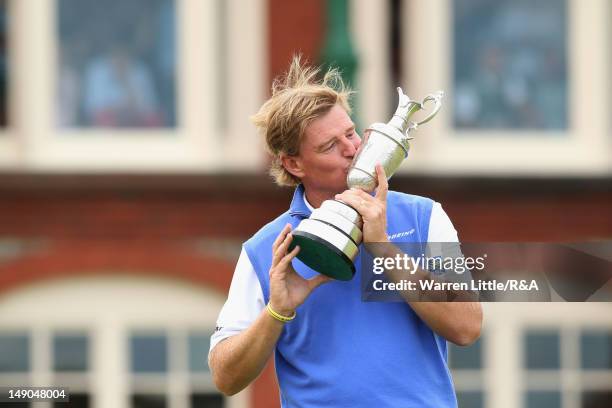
[342,352]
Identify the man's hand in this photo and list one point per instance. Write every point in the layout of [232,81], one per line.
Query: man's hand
[373,210]
[288,289]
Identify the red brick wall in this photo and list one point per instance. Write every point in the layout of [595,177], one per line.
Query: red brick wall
[294,27]
[149,224]
[145,225]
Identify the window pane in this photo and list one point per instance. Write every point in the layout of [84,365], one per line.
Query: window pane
[199,343]
[543,399]
[116,63]
[70,352]
[466,357]
[148,401]
[596,399]
[469,399]
[596,349]
[542,350]
[76,401]
[207,401]
[149,354]
[3,63]
[510,64]
[14,353]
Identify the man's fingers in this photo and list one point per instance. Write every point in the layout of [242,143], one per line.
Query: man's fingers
[280,244]
[358,199]
[383,184]
[282,248]
[283,264]
[281,236]
[286,260]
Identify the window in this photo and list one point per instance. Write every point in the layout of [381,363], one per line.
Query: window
[131,86]
[149,401]
[542,360]
[20,405]
[14,353]
[466,364]
[4,18]
[149,353]
[199,344]
[206,401]
[70,353]
[596,399]
[70,363]
[596,364]
[510,64]
[115,353]
[569,368]
[596,350]
[120,74]
[542,350]
[470,399]
[463,358]
[543,399]
[515,74]
[158,358]
[76,401]
[66,353]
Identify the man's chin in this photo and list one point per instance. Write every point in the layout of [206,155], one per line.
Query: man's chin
[330,190]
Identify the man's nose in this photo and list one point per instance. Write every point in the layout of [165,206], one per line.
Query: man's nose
[349,146]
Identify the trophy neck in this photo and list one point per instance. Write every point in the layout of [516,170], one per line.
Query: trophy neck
[401,117]
[405,109]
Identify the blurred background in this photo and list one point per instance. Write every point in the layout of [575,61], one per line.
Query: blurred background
[130,175]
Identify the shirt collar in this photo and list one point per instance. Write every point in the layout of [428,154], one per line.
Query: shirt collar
[299,206]
[310,207]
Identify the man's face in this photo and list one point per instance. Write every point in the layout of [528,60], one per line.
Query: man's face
[326,152]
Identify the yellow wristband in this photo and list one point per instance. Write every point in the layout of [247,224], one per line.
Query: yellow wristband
[279,316]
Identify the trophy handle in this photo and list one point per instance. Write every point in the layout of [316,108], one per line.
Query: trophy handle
[436,98]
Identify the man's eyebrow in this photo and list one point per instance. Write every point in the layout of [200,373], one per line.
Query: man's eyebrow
[322,145]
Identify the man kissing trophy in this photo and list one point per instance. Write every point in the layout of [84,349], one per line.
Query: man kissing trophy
[329,240]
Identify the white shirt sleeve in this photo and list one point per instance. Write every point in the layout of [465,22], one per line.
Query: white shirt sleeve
[442,239]
[443,242]
[244,302]
[440,226]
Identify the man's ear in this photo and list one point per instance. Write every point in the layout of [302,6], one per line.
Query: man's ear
[292,164]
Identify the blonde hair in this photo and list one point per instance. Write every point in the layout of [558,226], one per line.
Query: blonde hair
[298,97]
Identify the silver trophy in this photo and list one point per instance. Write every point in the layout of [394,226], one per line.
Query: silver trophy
[329,240]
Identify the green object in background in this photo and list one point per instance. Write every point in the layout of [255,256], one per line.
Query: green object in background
[338,48]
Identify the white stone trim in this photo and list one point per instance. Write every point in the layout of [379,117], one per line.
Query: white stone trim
[369,22]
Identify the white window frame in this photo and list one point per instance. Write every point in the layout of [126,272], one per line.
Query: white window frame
[109,309]
[196,144]
[9,146]
[472,379]
[507,381]
[439,148]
